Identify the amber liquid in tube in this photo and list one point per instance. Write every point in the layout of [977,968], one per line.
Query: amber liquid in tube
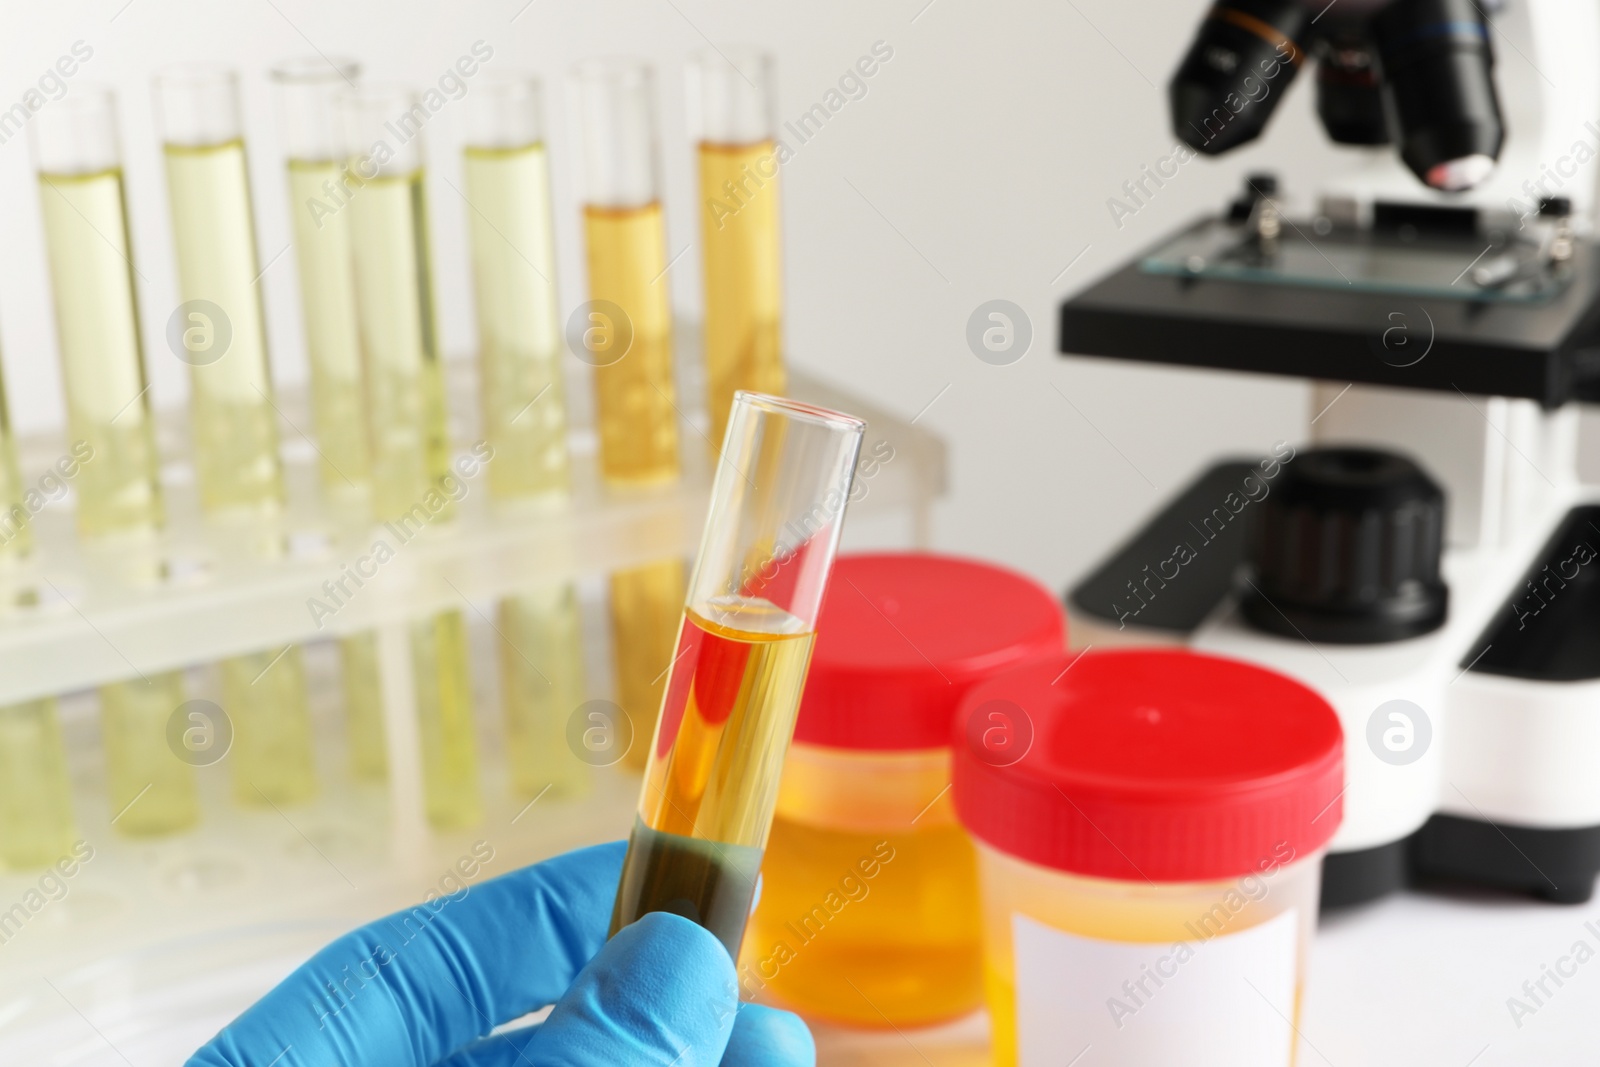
[712,781]
[743,287]
[634,394]
[638,441]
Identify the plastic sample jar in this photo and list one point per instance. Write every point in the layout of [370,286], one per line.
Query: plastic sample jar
[868,911]
[1149,842]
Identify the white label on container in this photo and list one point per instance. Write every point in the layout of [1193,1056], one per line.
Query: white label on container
[1219,1001]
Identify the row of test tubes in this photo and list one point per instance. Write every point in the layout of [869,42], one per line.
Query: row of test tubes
[358,194]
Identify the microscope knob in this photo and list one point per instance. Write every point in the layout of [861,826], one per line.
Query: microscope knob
[1348,549]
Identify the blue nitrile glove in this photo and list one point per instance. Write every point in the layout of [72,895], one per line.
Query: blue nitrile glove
[423,987]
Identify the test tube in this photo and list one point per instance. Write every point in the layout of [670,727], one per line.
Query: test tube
[81,197]
[627,262]
[234,420]
[733,688]
[79,159]
[524,413]
[320,187]
[406,432]
[730,111]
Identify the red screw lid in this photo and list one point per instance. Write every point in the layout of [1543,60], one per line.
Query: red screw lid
[903,636]
[1167,766]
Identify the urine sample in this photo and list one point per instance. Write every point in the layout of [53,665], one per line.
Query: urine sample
[235,445]
[507,189]
[79,158]
[634,394]
[627,260]
[868,913]
[235,433]
[525,415]
[1150,827]
[408,446]
[320,188]
[734,685]
[81,197]
[731,121]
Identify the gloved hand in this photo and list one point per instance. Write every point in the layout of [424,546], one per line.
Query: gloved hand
[424,987]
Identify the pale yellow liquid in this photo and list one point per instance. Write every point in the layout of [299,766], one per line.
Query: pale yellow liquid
[726,723]
[524,411]
[399,343]
[102,363]
[236,450]
[519,328]
[36,824]
[272,757]
[230,405]
[363,706]
[319,192]
[744,295]
[452,792]
[328,306]
[634,395]
[133,716]
[646,606]
[541,681]
[409,453]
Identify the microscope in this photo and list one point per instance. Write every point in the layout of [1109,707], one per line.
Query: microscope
[1428,560]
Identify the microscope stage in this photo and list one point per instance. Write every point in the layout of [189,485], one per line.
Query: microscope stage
[1350,305]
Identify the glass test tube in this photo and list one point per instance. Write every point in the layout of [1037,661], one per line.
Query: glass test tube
[79,159]
[733,690]
[524,412]
[730,108]
[320,188]
[627,261]
[235,432]
[406,431]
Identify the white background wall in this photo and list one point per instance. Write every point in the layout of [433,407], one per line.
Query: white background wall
[977,166]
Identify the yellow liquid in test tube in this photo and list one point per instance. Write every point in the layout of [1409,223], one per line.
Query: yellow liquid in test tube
[235,443]
[317,202]
[718,753]
[102,363]
[743,284]
[102,366]
[328,304]
[409,455]
[235,427]
[524,407]
[634,394]
[394,296]
[519,332]
[638,444]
